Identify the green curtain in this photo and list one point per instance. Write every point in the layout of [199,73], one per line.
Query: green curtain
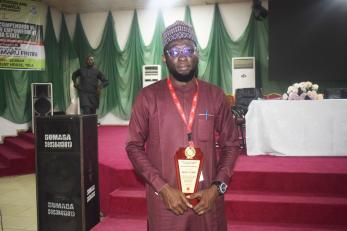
[69,62]
[3,103]
[123,67]
[215,64]
[130,64]
[153,52]
[16,91]
[105,56]
[80,41]
[53,70]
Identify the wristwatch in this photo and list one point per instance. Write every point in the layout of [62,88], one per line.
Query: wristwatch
[221,187]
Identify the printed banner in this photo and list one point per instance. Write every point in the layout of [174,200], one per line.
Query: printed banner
[21,35]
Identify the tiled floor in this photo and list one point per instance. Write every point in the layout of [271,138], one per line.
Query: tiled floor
[18,203]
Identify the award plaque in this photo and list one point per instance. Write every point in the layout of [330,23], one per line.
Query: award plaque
[189,162]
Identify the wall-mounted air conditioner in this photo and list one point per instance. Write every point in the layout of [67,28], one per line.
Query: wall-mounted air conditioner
[243,72]
[150,74]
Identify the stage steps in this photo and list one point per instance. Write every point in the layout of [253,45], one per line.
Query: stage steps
[140,224]
[260,207]
[17,155]
[262,198]
[267,193]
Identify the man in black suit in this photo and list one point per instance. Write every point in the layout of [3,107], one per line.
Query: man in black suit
[89,81]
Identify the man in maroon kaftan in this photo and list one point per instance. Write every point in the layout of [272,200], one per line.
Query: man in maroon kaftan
[157,131]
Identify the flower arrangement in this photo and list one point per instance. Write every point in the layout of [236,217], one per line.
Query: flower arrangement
[302,91]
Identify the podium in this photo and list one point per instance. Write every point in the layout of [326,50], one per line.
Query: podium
[67,172]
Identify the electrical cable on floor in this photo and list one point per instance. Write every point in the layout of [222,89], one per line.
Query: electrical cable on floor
[2,227]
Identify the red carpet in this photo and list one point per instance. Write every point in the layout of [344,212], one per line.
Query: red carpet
[266,193]
[17,155]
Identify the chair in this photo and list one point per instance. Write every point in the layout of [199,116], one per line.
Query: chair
[344,93]
[231,99]
[243,97]
[273,96]
[333,93]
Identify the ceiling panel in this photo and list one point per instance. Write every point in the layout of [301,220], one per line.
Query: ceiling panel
[86,6]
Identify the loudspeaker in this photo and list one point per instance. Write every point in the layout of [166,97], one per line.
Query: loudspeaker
[67,172]
[41,100]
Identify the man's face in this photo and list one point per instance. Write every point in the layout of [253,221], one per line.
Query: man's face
[181,59]
[89,61]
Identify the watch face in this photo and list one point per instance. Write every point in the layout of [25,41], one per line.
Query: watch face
[223,187]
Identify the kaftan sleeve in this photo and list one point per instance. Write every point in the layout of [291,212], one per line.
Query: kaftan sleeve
[135,146]
[228,141]
[103,79]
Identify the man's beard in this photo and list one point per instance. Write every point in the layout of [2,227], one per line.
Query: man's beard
[183,77]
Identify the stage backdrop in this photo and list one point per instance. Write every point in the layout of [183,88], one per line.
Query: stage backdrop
[120,55]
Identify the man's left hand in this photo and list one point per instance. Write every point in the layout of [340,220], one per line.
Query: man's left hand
[98,90]
[207,199]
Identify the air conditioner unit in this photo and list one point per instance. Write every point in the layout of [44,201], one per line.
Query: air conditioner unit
[150,74]
[243,73]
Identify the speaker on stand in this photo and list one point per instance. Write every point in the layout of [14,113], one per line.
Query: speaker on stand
[41,101]
[67,172]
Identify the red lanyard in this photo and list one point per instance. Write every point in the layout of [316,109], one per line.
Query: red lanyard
[189,125]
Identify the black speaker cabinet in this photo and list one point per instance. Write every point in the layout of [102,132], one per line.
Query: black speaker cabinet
[41,100]
[67,172]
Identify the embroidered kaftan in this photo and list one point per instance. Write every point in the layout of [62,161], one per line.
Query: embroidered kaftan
[156,131]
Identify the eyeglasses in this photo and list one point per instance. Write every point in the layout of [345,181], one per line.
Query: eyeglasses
[187,51]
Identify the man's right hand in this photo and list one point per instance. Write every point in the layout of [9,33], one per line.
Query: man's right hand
[174,200]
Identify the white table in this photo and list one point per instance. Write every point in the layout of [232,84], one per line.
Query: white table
[297,128]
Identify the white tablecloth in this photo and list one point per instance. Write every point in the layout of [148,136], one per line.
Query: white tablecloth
[297,128]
